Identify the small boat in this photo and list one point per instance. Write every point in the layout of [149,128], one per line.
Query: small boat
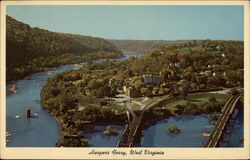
[13,89]
[206,134]
[49,72]
[8,134]
[17,116]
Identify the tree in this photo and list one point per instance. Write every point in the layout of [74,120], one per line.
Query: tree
[95,84]
[217,80]
[101,92]
[184,88]
[173,129]
[138,84]
[212,100]
[145,91]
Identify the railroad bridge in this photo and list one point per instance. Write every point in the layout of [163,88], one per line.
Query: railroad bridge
[222,125]
[132,132]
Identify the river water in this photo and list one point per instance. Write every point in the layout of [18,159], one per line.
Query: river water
[43,129]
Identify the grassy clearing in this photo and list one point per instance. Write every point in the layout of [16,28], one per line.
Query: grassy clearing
[196,98]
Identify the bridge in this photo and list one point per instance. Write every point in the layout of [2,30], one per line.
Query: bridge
[131,133]
[221,125]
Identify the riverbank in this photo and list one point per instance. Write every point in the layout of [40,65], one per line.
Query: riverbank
[44,64]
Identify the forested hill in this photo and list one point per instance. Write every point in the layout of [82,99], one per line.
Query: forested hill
[28,45]
[142,46]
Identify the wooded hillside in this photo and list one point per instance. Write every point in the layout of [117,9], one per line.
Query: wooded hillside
[25,43]
[141,46]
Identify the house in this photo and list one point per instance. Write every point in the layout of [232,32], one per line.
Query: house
[175,64]
[131,92]
[202,73]
[208,73]
[155,90]
[214,67]
[218,47]
[111,81]
[124,89]
[163,85]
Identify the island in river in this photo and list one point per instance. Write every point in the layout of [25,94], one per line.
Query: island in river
[104,92]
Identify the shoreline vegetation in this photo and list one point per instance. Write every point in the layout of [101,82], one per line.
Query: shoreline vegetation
[177,70]
[173,129]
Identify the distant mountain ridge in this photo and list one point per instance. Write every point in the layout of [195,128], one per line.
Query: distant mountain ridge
[25,43]
[142,46]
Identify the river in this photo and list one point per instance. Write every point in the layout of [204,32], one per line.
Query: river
[43,129]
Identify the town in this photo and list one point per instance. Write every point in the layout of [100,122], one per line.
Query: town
[104,92]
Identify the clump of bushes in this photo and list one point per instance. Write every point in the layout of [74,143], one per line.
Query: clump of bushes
[110,131]
[213,117]
[174,129]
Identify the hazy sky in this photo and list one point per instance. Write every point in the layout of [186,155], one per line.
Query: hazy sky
[137,22]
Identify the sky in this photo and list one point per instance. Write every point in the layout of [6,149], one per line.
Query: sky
[136,22]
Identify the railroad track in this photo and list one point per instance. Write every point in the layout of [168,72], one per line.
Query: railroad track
[130,132]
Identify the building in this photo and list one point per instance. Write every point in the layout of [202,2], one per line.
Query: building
[150,79]
[208,73]
[155,90]
[111,81]
[131,92]
[124,88]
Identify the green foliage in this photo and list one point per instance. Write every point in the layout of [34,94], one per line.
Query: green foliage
[217,81]
[213,117]
[174,129]
[110,131]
